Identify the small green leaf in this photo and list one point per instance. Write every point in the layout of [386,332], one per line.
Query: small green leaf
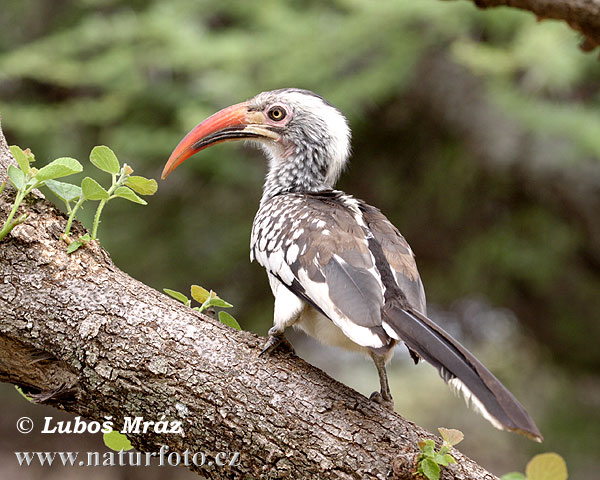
[430,469]
[65,191]
[117,441]
[105,159]
[16,177]
[513,476]
[141,185]
[128,194]
[218,302]
[449,458]
[214,301]
[92,190]
[61,167]
[20,157]
[440,459]
[227,319]
[30,156]
[451,436]
[177,295]
[19,389]
[427,447]
[199,293]
[546,466]
[73,246]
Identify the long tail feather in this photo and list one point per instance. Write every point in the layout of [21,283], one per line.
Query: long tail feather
[461,370]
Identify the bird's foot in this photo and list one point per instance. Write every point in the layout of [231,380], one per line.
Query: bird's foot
[276,340]
[384,401]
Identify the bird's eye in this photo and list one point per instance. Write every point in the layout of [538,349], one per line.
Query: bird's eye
[276,114]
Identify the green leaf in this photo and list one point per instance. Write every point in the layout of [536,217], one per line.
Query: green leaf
[16,176]
[92,190]
[513,476]
[177,295]
[430,469]
[451,435]
[128,194]
[105,159]
[227,319]
[29,155]
[61,167]
[546,466]
[117,441]
[65,191]
[449,458]
[19,389]
[440,459]
[20,157]
[141,185]
[427,447]
[215,301]
[199,293]
[73,246]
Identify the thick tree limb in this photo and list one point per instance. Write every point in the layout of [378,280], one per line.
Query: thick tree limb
[581,15]
[89,339]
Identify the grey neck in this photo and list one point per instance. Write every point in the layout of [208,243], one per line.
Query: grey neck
[305,171]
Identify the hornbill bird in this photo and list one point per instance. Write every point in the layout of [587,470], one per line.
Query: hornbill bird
[338,268]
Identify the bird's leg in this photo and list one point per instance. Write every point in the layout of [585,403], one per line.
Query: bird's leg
[385,396]
[276,339]
[288,308]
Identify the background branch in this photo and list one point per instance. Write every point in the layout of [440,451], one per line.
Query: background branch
[581,15]
[85,337]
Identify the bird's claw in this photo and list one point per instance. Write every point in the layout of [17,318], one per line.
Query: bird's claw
[387,403]
[276,339]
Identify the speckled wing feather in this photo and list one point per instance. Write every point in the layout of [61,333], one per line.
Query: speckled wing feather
[399,256]
[316,245]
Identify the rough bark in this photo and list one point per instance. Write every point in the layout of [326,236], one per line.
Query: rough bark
[581,15]
[85,337]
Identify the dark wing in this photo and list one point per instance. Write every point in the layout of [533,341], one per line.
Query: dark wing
[345,258]
[318,248]
[399,256]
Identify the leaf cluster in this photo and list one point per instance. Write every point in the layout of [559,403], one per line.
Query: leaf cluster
[25,178]
[207,299]
[123,185]
[430,460]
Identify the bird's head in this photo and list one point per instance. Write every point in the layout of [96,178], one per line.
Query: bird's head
[306,139]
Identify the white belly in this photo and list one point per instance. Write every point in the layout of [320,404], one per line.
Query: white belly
[292,311]
[325,331]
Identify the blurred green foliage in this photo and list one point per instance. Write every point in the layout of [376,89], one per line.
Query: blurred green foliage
[122,70]
[137,75]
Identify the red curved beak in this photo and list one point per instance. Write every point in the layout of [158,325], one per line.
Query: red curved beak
[231,123]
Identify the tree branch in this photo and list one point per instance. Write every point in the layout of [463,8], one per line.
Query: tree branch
[581,15]
[85,337]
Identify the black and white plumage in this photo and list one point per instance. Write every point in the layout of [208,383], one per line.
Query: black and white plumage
[339,270]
